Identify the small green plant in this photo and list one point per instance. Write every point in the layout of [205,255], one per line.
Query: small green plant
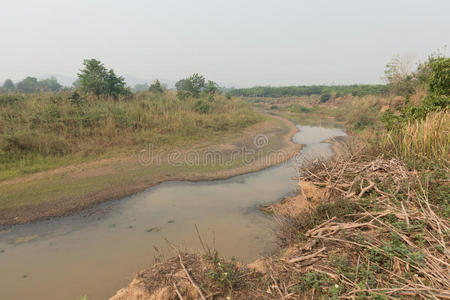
[315,280]
[323,286]
[225,274]
[202,106]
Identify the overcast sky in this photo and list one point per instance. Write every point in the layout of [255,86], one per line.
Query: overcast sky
[234,42]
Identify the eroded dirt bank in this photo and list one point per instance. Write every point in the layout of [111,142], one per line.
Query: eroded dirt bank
[67,190]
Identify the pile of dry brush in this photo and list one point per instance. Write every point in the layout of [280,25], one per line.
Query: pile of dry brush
[384,238]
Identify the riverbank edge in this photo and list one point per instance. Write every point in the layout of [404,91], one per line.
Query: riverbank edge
[47,210]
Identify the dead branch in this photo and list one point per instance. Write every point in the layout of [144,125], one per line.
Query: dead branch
[190,279]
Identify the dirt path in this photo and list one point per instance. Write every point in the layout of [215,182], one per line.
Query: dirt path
[70,189]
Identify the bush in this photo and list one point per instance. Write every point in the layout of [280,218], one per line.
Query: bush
[202,106]
[439,81]
[9,98]
[437,99]
[324,98]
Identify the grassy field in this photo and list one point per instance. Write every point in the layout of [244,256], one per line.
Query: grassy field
[44,131]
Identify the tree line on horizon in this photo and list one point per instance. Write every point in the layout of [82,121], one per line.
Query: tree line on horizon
[96,79]
[31,85]
[309,90]
[107,82]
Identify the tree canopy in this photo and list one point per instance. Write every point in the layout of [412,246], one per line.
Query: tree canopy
[28,85]
[191,86]
[8,86]
[95,78]
[140,87]
[439,82]
[156,87]
[32,85]
[50,84]
[196,85]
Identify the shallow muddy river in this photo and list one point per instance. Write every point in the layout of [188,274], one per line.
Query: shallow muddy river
[96,252]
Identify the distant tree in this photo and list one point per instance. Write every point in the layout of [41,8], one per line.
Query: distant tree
[96,79]
[140,87]
[191,86]
[439,81]
[211,88]
[195,84]
[50,84]
[156,87]
[115,85]
[285,91]
[28,85]
[92,78]
[8,86]
[179,84]
[399,75]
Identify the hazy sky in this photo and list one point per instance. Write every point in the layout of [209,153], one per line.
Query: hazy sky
[241,42]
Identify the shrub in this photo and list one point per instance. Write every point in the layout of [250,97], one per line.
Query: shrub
[9,98]
[202,106]
[324,98]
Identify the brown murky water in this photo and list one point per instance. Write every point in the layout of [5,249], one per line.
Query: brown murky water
[96,252]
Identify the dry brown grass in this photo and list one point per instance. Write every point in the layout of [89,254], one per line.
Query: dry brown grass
[427,139]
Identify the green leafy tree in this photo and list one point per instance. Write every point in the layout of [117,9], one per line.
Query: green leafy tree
[156,87]
[195,84]
[191,86]
[179,84]
[28,85]
[115,85]
[8,86]
[98,80]
[437,72]
[92,79]
[439,82]
[211,88]
[140,87]
[50,84]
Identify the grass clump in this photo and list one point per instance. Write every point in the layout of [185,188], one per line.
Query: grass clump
[421,140]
